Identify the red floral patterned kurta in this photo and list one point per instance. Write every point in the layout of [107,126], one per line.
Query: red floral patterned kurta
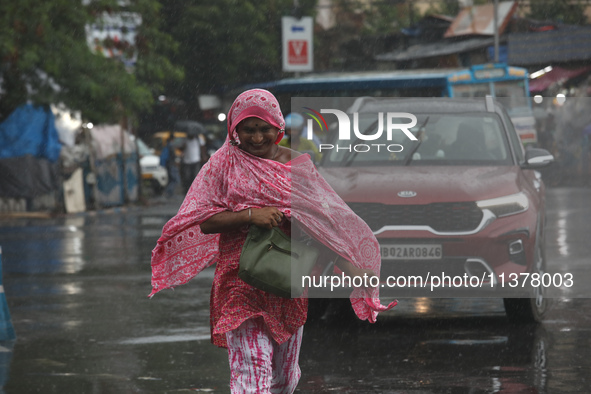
[233,301]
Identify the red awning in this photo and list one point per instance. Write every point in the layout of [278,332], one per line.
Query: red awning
[556,75]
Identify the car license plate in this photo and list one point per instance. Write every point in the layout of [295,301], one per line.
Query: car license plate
[411,252]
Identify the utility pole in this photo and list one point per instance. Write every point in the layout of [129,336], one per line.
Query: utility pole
[496,29]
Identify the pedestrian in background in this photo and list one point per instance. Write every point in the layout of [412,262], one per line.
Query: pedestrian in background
[251,180]
[168,159]
[194,156]
[295,138]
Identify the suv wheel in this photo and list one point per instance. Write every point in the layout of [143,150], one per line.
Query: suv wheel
[525,310]
[530,310]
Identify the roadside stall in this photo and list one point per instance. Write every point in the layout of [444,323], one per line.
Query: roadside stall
[29,166]
[115,164]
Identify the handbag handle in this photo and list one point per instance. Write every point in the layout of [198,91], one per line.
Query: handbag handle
[289,252]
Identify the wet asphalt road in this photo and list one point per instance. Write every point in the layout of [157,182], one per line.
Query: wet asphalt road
[76,288]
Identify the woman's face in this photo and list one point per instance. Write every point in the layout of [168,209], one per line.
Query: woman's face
[257,137]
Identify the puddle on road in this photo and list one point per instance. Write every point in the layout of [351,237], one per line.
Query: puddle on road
[468,342]
[163,339]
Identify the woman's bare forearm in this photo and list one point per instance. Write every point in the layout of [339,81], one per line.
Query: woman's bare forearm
[226,221]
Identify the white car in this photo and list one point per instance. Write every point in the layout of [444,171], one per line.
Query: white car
[152,172]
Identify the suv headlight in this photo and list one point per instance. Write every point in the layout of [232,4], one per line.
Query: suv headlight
[505,206]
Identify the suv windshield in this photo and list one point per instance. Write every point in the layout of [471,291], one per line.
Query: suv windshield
[442,139]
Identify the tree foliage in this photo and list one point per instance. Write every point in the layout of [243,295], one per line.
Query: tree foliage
[388,16]
[226,42]
[45,59]
[568,12]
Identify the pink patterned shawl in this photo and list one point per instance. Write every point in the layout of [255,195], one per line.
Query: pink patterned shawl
[233,180]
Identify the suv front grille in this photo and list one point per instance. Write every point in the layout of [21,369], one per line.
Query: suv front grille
[441,217]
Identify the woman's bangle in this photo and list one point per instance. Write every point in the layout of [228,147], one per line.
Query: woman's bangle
[249,215]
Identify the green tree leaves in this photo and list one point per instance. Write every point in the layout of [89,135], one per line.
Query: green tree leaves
[227,42]
[45,58]
[559,10]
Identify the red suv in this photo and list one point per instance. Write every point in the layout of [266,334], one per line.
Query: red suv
[458,209]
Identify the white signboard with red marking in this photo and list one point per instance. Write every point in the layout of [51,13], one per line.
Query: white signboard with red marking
[298,50]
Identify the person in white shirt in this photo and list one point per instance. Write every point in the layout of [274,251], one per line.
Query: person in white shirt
[194,156]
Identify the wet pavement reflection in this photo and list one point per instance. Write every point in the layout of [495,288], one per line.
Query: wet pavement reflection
[77,291]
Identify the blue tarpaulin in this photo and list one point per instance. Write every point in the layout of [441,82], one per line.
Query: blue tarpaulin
[29,153]
[30,130]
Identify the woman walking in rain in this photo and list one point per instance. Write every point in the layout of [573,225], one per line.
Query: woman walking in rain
[251,180]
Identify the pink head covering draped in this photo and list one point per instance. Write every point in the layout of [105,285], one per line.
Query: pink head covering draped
[258,103]
[233,180]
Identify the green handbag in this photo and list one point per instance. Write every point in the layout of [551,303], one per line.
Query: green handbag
[273,262]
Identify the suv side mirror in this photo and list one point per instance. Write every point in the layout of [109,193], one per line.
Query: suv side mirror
[537,158]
